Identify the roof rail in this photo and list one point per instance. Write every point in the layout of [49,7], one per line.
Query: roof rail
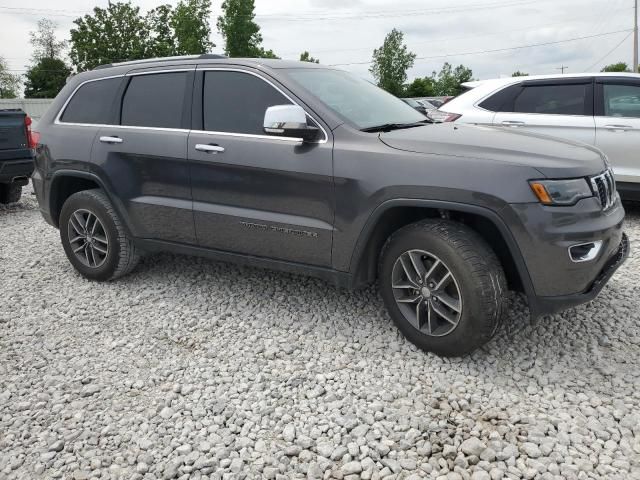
[204,56]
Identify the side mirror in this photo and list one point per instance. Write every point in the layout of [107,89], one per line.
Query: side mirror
[289,121]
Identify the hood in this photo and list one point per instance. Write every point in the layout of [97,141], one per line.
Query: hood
[554,158]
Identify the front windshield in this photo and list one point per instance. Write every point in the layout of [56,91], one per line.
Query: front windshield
[354,99]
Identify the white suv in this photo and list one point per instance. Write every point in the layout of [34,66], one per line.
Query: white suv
[600,109]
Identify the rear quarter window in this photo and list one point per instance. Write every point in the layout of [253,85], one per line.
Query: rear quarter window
[501,101]
[93,103]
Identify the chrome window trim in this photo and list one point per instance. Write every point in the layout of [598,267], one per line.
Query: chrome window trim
[124,127]
[184,130]
[57,121]
[250,135]
[269,82]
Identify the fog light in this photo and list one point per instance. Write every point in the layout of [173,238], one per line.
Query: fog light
[585,252]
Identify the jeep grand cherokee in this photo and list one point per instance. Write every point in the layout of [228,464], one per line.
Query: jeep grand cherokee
[310,169]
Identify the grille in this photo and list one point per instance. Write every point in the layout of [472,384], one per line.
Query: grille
[604,187]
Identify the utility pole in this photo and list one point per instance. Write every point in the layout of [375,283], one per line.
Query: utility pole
[634,68]
[563,67]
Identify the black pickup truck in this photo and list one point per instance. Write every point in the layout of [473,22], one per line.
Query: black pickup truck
[16,153]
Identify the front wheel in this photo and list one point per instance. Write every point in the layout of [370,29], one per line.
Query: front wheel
[443,286]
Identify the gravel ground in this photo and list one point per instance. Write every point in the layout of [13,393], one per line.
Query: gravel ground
[194,369]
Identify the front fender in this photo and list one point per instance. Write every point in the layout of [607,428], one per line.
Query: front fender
[360,250]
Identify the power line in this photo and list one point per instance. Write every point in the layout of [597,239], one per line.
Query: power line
[396,13]
[316,16]
[449,39]
[479,52]
[610,51]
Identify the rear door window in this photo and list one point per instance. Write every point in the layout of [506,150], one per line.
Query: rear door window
[566,99]
[235,102]
[93,103]
[621,100]
[154,100]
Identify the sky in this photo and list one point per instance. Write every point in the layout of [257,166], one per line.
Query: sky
[492,37]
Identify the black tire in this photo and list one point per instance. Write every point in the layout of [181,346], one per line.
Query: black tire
[478,278]
[10,193]
[121,257]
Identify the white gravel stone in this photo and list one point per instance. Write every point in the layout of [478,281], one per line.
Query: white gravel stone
[480,475]
[531,450]
[189,368]
[325,449]
[289,433]
[472,446]
[351,468]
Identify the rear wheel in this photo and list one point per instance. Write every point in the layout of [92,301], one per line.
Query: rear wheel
[443,286]
[94,238]
[10,192]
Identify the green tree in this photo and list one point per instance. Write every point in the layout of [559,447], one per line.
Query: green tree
[46,78]
[190,24]
[306,57]
[449,80]
[183,31]
[518,73]
[49,73]
[240,32]
[44,41]
[9,83]
[617,67]
[161,41]
[420,87]
[262,53]
[114,34]
[391,62]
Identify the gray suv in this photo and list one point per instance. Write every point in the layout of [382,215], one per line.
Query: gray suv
[311,170]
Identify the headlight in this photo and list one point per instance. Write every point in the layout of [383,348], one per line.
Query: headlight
[561,192]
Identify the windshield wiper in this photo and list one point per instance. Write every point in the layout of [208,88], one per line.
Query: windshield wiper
[387,127]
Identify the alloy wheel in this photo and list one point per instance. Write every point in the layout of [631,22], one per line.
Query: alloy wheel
[426,293]
[88,238]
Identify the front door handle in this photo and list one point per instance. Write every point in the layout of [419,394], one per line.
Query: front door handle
[111,140]
[624,128]
[201,147]
[512,123]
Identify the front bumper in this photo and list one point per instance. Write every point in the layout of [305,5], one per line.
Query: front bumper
[544,236]
[548,305]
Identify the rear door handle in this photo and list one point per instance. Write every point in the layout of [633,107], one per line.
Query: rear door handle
[512,123]
[111,140]
[619,127]
[201,147]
